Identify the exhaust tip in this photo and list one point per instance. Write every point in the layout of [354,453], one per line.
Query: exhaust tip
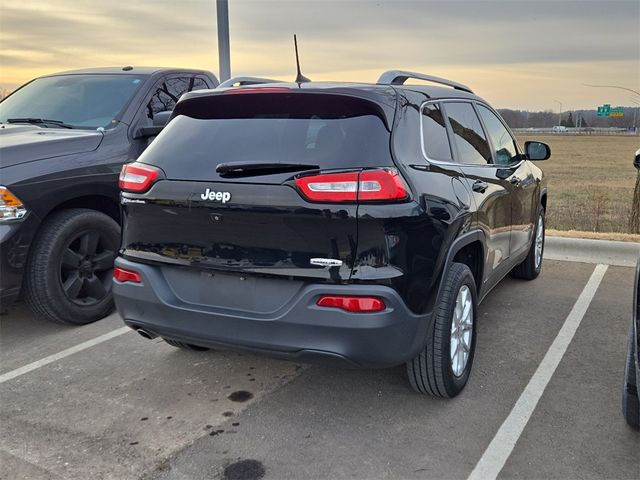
[145,334]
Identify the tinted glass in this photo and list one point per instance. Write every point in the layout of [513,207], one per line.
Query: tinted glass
[169,92]
[472,144]
[503,143]
[83,101]
[434,133]
[325,130]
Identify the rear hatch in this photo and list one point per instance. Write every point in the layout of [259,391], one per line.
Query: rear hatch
[260,182]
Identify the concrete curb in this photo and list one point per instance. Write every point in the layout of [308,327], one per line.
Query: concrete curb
[624,254]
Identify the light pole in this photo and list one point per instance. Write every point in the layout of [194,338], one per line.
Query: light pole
[559,116]
[224,57]
[613,86]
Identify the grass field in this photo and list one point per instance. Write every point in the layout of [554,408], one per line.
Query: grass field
[591,181]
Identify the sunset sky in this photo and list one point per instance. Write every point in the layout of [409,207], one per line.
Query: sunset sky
[516,54]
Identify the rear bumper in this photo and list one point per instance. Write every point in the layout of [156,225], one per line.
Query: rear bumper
[298,330]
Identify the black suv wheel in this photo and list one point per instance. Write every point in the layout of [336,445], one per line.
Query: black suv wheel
[70,270]
[442,368]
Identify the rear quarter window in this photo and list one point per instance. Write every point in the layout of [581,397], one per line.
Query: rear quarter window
[435,140]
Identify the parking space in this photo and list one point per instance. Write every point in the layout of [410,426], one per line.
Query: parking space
[118,408]
[129,407]
[577,430]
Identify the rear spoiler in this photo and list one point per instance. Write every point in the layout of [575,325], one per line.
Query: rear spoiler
[214,104]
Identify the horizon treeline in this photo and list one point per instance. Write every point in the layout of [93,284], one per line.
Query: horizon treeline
[571,118]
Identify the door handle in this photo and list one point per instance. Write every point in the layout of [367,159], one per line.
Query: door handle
[515,181]
[479,186]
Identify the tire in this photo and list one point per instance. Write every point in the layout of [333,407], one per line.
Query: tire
[530,268]
[630,401]
[69,274]
[432,371]
[185,346]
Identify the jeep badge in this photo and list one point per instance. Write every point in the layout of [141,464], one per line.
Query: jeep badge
[209,194]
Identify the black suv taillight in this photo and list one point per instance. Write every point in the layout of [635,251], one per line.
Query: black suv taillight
[383,184]
[137,178]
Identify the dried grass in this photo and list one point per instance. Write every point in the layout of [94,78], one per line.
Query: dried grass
[591,181]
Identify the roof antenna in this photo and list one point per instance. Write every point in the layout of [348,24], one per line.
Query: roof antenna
[299,77]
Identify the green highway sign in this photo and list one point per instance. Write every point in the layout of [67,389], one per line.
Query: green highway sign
[616,112]
[606,111]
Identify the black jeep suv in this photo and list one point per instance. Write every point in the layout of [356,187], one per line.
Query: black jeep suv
[631,390]
[353,223]
[63,140]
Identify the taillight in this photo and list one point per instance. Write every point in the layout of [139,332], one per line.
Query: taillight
[352,304]
[330,187]
[386,184]
[366,186]
[122,275]
[137,178]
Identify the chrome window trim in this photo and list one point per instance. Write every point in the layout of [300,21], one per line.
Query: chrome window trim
[473,103]
[424,152]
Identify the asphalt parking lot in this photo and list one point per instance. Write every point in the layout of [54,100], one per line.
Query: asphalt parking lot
[100,402]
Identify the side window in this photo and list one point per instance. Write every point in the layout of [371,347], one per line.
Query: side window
[469,137]
[503,143]
[435,139]
[170,90]
[199,84]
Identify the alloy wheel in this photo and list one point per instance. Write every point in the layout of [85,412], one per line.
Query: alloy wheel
[539,241]
[461,331]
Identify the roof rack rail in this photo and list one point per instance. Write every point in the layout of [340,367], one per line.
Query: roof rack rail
[246,81]
[398,77]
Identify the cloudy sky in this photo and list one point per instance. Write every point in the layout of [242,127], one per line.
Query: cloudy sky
[515,53]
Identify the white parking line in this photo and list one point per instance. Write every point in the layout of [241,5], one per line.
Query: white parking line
[64,353]
[500,448]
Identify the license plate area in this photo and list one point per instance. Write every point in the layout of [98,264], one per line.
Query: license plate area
[249,293]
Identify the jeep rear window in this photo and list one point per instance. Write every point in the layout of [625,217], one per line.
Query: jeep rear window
[325,130]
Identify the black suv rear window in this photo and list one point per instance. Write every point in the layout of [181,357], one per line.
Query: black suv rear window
[326,130]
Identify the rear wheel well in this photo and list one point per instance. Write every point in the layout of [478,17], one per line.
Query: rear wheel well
[471,255]
[100,203]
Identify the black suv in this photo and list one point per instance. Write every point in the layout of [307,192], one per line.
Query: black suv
[631,392]
[352,223]
[63,140]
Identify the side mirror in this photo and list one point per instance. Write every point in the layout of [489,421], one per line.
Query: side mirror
[160,119]
[537,150]
[636,162]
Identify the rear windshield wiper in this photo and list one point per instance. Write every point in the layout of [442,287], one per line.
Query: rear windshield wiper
[238,169]
[39,121]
